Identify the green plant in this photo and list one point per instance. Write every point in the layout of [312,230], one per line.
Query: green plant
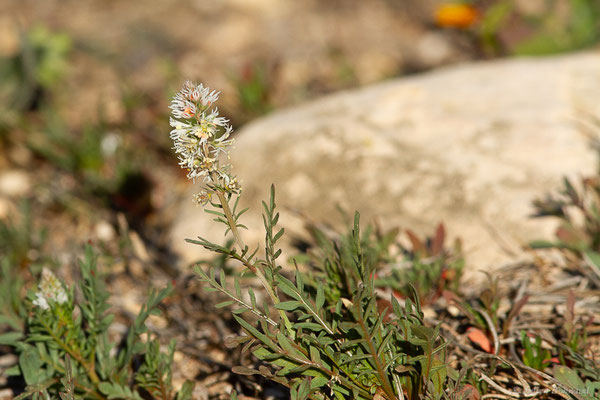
[575,334]
[20,240]
[555,26]
[37,67]
[427,266]
[578,29]
[81,154]
[318,346]
[587,389]
[253,89]
[483,311]
[578,235]
[534,354]
[21,253]
[578,209]
[347,347]
[98,158]
[65,344]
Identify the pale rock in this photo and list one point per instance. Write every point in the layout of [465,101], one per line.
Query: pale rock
[435,48]
[8,360]
[470,145]
[105,231]
[6,393]
[14,183]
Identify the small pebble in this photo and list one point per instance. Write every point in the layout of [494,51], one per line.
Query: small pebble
[14,183]
[6,394]
[453,310]
[8,360]
[435,49]
[104,231]
[136,268]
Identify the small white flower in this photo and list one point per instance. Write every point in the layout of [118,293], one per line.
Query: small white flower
[202,198]
[109,144]
[51,289]
[41,301]
[199,135]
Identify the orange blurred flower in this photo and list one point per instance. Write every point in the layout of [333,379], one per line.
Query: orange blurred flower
[456,15]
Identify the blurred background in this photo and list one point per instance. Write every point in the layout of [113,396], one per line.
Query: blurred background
[85,85]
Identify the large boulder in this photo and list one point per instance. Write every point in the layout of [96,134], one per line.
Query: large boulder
[470,145]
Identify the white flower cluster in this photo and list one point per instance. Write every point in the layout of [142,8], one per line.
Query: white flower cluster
[200,136]
[51,290]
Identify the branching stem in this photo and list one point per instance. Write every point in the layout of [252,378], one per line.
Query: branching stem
[387,388]
[259,274]
[80,359]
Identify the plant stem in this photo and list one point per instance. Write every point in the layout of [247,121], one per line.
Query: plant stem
[386,386]
[259,274]
[230,220]
[78,357]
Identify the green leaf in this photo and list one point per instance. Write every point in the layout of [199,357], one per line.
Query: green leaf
[438,375]
[31,366]
[186,391]
[318,382]
[287,345]
[309,325]
[13,371]
[278,235]
[256,333]
[116,391]
[288,305]
[593,259]
[320,299]
[542,244]
[224,304]
[568,377]
[241,370]
[287,287]
[276,359]
[10,338]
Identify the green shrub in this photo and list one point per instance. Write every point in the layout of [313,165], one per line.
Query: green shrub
[64,344]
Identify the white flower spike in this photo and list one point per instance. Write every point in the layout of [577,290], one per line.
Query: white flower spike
[199,136]
[51,291]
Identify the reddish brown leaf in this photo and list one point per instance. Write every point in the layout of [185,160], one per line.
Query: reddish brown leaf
[437,245]
[514,312]
[417,244]
[570,312]
[478,337]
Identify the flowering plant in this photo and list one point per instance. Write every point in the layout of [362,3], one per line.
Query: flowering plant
[318,346]
[65,344]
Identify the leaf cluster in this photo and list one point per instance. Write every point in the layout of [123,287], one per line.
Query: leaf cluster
[557,27]
[331,339]
[67,346]
[20,248]
[38,65]
[426,264]
[534,354]
[578,209]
